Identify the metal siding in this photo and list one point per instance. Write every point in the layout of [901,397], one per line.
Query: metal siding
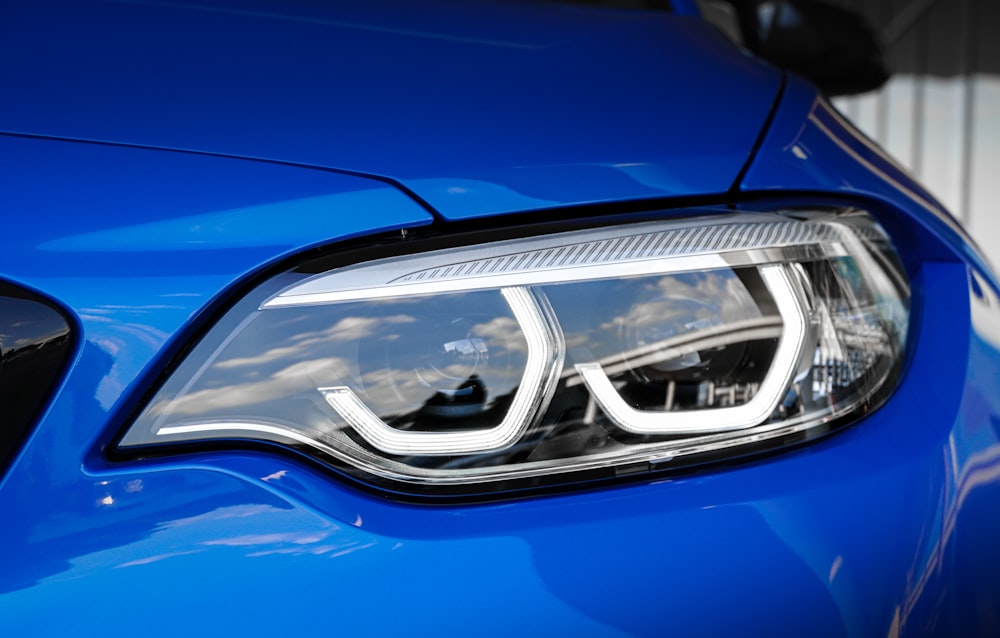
[940,113]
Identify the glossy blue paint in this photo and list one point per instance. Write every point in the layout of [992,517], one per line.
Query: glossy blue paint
[137,242]
[886,528]
[450,98]
[853,535]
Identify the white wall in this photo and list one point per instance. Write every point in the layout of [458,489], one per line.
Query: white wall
[947,132]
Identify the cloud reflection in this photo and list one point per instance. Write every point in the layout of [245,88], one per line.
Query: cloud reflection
[395,360]
[347,330]
[281,384]
[717,296]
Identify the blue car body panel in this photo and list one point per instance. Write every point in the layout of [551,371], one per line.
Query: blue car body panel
[877,527]
[448,98]
[885,529]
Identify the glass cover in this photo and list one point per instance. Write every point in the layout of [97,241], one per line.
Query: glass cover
[587,354]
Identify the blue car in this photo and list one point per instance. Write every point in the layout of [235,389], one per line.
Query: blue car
[515,317]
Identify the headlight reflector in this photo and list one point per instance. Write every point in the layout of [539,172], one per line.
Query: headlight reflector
[526,362]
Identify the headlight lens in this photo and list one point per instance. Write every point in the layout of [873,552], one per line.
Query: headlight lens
[555,358]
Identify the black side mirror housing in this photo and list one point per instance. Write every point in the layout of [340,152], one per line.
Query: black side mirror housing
[832,46]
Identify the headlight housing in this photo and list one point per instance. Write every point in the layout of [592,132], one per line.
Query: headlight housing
[556,358]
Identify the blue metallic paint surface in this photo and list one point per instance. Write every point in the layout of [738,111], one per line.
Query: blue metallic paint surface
[840,538]
[884,529]
[448,97]
[956,591]
[137,242]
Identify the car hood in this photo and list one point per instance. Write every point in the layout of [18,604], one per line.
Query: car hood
[476,108]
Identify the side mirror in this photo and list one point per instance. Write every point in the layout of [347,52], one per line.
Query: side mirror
[831,46]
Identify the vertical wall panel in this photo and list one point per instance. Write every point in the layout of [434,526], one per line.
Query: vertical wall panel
[944,74]
[940,113]
[942,152]
[984,201]
[897,138]
[900,96]
[865,113]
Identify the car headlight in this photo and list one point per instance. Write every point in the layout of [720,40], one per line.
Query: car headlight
[556,358]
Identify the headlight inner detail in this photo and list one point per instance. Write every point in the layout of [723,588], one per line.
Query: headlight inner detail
[734,417]
[526,362]
[541,368]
